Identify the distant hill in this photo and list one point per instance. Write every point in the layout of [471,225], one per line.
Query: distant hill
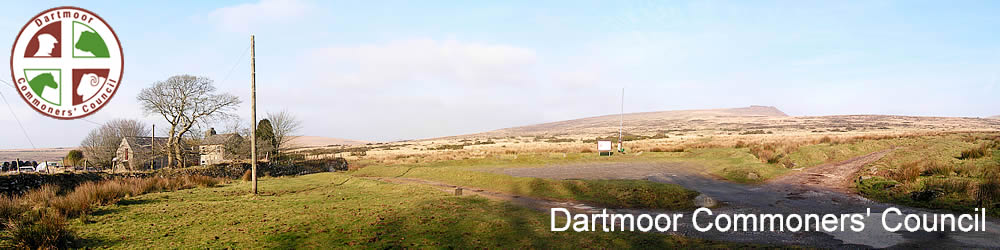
[646,121]
[40,154]
[994,117]
[318,141]
[736,121]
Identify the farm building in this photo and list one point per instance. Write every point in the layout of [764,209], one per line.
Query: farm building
[213,147]
[141,153]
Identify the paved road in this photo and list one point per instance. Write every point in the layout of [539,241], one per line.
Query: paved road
[817,190]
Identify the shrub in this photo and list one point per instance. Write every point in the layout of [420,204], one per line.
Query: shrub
[937,168]
[766,153]
[248,175]
[41,229]
[908,172]
[11,207]
[87,195]
[755,132]
[561,140]
[826,139]
[76,203]
[40,197]
[146,185]
[740,144]
[974,153]
[449,147]
[988,191]
[667,149]
[200,181]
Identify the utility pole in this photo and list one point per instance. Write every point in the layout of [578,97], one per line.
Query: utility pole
[253,120]
[152,146]
[621,123]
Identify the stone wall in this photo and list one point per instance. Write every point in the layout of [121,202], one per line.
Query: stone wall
[16,184]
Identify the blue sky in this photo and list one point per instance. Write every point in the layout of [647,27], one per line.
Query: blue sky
[391,70]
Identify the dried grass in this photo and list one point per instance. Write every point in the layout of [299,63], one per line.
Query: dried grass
[908,172]
[40,229]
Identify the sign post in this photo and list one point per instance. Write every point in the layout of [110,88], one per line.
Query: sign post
[604,147]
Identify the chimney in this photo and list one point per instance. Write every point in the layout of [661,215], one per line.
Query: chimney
[210,132]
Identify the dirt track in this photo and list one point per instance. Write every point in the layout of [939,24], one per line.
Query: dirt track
[833,176]
[819,190]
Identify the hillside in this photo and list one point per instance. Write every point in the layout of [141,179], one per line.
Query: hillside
[644,119]
[994,117]
[318,141]
[39,154]
[731,121]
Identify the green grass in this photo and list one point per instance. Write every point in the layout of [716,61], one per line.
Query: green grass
[935,164]
[332,210]
[817,154]
[610,193]
[734,164]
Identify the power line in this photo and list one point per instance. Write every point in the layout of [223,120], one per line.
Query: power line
[9,84]
[92,122]
[239,60]
[25,132]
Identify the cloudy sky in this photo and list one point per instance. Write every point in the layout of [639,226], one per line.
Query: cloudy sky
[392,70]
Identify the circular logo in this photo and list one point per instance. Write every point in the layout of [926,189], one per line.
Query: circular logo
[66,63]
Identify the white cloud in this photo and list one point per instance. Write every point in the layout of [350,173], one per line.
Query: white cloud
[245,17]
[430,62]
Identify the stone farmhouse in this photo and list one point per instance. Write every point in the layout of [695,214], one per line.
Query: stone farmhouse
[213,147]
[141,153]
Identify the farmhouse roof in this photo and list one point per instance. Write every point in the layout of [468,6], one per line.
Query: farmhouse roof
[145,141]
[218,139]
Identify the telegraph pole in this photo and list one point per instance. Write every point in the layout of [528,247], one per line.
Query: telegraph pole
[253,121]
[621,123]
[152,146]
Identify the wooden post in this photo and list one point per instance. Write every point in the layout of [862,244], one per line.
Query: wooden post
[253,120]
[152,146]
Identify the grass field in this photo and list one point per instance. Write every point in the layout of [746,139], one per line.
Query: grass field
[957,170]
[335,210]
[953,172]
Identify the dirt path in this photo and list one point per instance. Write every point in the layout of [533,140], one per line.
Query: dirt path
[820,190]
[833,176]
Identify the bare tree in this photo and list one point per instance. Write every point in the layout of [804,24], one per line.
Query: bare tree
[184,101]
[101,143]
[285,127]
[237,147]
